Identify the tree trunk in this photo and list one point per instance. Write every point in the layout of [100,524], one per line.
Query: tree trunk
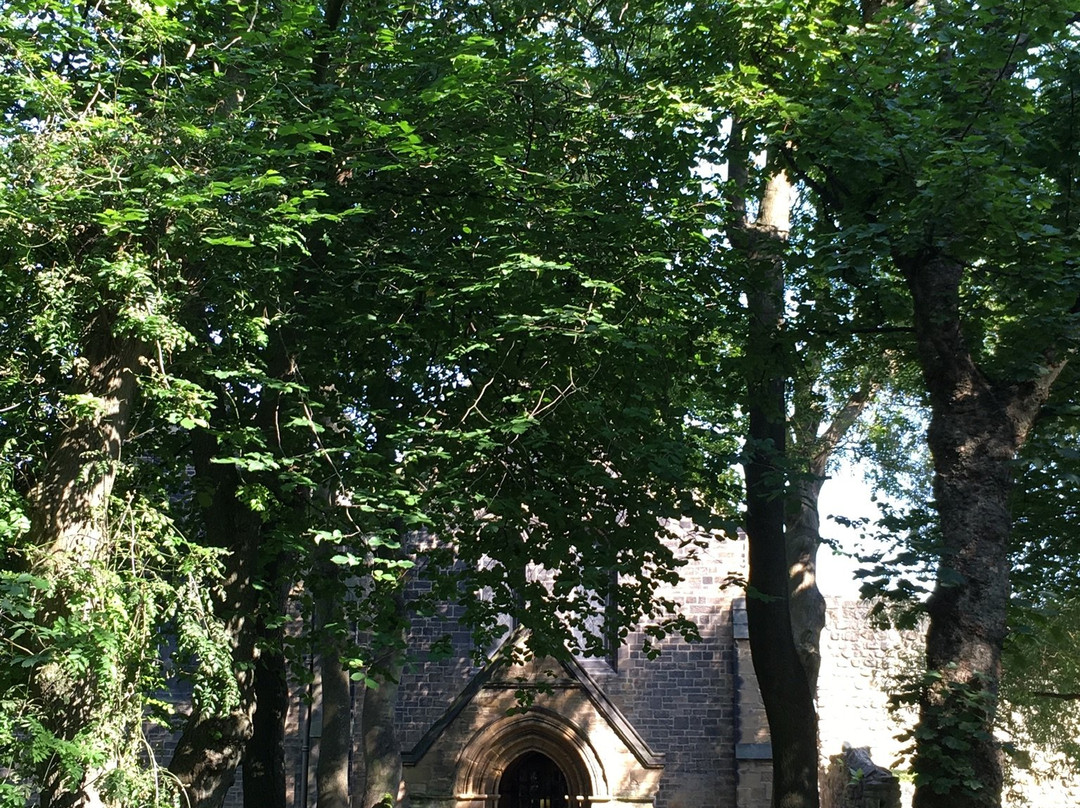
[264,756]
[803,528]
[382,750]
[69,504]
[209,750]
[332,772]
[69,522]
[785,689]
[784,686]
[335,745]
[805,601]
[212,744]
[977,427]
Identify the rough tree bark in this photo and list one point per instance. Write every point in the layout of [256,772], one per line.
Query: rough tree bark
[335,743]
[806,604]
[69,523]
[977,427]
[264,755]
[382,750]
[69,503]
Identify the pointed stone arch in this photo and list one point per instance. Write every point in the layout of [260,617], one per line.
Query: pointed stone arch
[492,749]
[460,760]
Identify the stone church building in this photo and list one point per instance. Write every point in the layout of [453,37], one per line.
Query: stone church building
[684,730]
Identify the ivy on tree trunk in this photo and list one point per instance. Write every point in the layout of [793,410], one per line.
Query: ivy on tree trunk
[215,736]
[70,526]
[977,428]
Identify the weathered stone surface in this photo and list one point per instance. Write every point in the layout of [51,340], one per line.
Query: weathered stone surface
[854,780]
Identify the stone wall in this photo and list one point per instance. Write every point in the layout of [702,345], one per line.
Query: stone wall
[696,706]
[859,665]
[682,703]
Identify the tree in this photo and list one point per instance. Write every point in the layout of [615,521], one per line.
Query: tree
[921,145]
[788,449]
[330,306]
[290,282]
[921,133]
[797,322]
[782,677]
[99,234]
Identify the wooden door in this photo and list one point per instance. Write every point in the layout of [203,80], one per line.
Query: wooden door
[533,781]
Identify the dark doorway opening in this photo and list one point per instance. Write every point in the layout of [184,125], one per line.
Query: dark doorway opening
[533,781]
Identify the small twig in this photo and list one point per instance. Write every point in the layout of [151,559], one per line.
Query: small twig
[161,363]
[474,405]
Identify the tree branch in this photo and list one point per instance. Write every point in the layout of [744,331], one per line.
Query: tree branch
[856,403]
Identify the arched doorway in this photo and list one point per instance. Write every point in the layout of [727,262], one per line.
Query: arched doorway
[535,760]
[533,780]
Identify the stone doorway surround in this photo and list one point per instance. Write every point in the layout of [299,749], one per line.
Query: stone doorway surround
[500,744]
[460,761]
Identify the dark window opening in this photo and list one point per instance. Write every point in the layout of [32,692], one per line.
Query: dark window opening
[600,631]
